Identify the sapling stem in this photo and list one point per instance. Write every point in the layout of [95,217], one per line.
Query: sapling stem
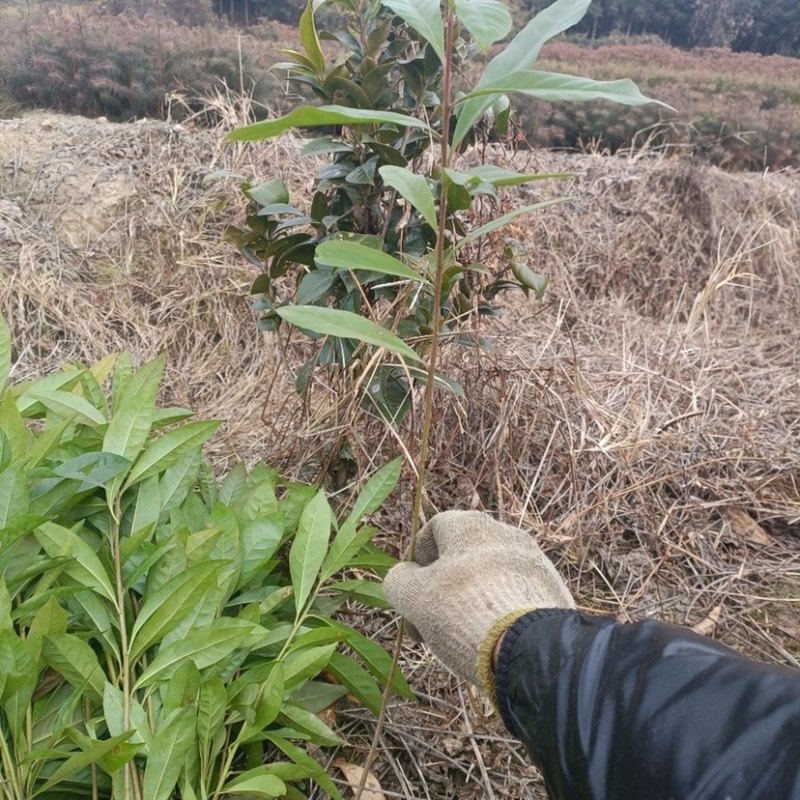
[441,239]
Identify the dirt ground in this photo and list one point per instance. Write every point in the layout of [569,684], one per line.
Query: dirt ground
[644,417]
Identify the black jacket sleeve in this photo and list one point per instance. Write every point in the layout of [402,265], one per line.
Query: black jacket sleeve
[647,711]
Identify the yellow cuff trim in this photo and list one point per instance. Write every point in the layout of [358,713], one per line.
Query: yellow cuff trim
[485,671]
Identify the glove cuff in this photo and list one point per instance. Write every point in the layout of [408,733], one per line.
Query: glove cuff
[485,672]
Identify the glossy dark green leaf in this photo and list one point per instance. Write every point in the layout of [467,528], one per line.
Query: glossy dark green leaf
[425,17]
[309,38]
[415,189]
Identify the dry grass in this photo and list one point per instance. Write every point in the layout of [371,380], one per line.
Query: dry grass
[645,418]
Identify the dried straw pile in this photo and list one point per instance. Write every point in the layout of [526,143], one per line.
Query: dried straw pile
[646,415]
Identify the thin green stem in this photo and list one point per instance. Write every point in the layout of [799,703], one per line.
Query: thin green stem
[130,782]
[10,768]
[441,243]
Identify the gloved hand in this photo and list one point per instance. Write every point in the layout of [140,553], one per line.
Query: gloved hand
[471,579]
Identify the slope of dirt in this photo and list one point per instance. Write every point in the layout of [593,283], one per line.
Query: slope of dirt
[644,418]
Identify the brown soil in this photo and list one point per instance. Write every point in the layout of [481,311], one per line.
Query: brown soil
[644,418]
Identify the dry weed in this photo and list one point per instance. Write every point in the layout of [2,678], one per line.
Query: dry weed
[644,418]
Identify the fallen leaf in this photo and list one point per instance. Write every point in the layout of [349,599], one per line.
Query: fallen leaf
[353,773]
[744,527]
[708,625]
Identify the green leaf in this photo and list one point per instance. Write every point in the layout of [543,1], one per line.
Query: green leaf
[13,495]
[499,176]
[67,405]
[352,256]
[487,20]
[260,540]
[347,325]
[165,608]
[179,479]
[315,696]
[309,723]
[211,707]
[415,189]
[529,279]
[303,759]
[303,664]
[376,490]
[357,680]
[309,547]
[13,426]
[173,739]
[368,592]
[350,539]
[93,469]
[205,646]
[113,710]
[80,761]
[504,219]
[86,568]
[325,145]
[182,688]
[347,543]
[555,87]
[147,510]
[233,484]
[130,424]
[261,786]
[50,618]
[519,54]
[309,38]
[5,353]
[312,116]
[425,17]
[166,450]
[375,658]
[73,659]
[269,701]
[270,192]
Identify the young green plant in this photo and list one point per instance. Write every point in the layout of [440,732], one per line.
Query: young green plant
[162,631]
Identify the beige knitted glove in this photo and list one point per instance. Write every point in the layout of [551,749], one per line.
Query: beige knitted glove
[470,580]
